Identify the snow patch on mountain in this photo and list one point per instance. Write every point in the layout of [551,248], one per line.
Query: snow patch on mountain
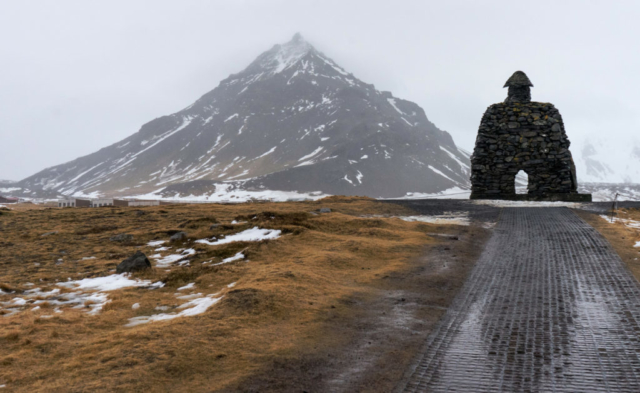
[231,192]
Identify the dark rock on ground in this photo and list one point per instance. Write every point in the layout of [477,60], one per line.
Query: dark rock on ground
[122,238]
[134,263]
[179,236]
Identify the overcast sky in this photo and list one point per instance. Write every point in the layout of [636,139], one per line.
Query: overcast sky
[76,76]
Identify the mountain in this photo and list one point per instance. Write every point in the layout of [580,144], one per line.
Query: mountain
[608,160]
[632,167]
[293,120]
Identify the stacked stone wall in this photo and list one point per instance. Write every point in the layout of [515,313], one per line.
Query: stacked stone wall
[527,136]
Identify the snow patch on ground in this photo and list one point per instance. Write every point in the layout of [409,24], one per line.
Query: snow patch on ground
[88,294]
[630,223]
[254,234]
[603,192]
[166,261]
[450,193]
[193,307]
[108,283]
[499,203]
[448,218]
[637,244]
[236,257]
[188,286]
[599,195]
[227,193]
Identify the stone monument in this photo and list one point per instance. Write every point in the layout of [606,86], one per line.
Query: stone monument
[522,135]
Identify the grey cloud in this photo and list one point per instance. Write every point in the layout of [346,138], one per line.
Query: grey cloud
[77,75]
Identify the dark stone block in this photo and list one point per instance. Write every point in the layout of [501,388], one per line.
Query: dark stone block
[134,263]
[178,237]
[122,238]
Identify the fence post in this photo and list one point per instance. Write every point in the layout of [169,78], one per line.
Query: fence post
[614,207]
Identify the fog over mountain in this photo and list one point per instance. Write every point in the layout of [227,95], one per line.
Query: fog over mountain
[293,120]
[601,159]
[82,75]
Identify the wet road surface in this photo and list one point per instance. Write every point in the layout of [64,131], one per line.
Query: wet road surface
[549,307]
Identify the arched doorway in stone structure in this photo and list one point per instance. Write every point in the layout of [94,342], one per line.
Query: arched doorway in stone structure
[521,181]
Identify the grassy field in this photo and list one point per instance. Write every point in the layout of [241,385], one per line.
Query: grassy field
[282,301]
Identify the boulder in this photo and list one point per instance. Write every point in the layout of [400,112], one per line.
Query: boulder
[325,210]
[122,238]
[134,263]
[178,237]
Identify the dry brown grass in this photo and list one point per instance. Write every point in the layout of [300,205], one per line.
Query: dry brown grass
[621,236]
[23,206]
[284,293]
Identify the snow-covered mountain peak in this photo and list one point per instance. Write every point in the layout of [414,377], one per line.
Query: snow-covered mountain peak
[292,120]
[281,57]
[291,59]
[288,54]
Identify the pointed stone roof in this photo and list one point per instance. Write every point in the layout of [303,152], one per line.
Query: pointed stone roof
[518,78]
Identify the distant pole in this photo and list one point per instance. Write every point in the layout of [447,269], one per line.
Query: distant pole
[614,208]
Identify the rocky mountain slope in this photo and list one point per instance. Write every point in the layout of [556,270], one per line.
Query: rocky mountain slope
[293,120]
[607,160]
